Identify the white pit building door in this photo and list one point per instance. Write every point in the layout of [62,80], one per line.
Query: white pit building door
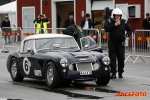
[28,16]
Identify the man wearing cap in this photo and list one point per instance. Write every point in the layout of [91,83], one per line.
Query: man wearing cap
[69,20]
[41,24]
[5,28]
[75,31]
[146,25]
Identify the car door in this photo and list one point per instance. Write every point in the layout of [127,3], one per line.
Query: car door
[29,60]
[89,44]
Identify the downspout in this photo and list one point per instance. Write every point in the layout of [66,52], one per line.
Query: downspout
[41,6]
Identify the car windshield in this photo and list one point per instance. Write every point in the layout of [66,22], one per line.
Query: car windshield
[56,44]
[87,42]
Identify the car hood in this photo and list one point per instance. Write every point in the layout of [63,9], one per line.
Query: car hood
[74,56]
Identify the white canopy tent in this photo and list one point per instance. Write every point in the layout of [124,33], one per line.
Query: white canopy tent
[9,9]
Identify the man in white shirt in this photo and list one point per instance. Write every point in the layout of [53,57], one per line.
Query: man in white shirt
[86,23]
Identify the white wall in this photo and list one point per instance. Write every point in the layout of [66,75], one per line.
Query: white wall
[124,8]
[147,7]
[88,6]
[12,18]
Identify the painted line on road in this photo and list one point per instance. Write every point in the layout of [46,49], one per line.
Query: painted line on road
[138,77]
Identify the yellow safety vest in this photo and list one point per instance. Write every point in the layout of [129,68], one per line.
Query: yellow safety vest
[38,26]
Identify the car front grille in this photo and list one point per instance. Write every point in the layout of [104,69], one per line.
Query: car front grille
[83,66]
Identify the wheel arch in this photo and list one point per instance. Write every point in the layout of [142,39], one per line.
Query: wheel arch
[9,62]
[47,63]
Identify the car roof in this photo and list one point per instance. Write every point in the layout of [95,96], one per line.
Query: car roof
[40,36]
[43,36]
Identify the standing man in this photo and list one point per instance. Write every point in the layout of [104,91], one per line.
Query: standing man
[116,44]
[41,24]
[146,26]
[6,23]
[86,23]
[69,20]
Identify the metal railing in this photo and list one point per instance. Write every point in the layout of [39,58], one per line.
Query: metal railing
[141,44]
[8,35]
[137,46]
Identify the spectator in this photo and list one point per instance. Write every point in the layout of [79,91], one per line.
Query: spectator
[41,24]
[146,26]
[86,23]
[69,20]
[5,28]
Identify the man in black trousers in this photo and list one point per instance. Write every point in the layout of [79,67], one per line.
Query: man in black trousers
[116,43]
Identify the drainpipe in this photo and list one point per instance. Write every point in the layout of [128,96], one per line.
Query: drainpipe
[41,6]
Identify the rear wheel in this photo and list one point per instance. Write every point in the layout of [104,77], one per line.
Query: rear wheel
[103,80]
[14,71]
[51,75]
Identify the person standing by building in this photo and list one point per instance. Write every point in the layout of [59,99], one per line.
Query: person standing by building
[69,20]
[5,28]
[146,26]
[116,44]
[41,24]
[86,23]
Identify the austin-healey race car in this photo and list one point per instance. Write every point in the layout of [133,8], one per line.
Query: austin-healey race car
[58,58]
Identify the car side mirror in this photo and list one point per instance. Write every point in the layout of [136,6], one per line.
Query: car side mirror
[86,46]
[30,50]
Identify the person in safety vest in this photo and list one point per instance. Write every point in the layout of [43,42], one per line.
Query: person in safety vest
[75,31]
[41,24]
[116,43]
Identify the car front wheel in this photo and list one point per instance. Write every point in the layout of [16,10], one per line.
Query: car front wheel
[103,80]
[14,71]
[51,75]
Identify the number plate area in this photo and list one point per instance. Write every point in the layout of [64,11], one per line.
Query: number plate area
[85,72]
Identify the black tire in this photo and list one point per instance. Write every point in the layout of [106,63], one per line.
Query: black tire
[50,71]
[14,71]
[103,80]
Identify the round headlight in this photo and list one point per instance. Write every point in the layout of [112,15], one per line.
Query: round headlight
[64,62]
[106,60]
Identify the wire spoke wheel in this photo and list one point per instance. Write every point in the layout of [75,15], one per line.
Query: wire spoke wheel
[50,74]
[14,69]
